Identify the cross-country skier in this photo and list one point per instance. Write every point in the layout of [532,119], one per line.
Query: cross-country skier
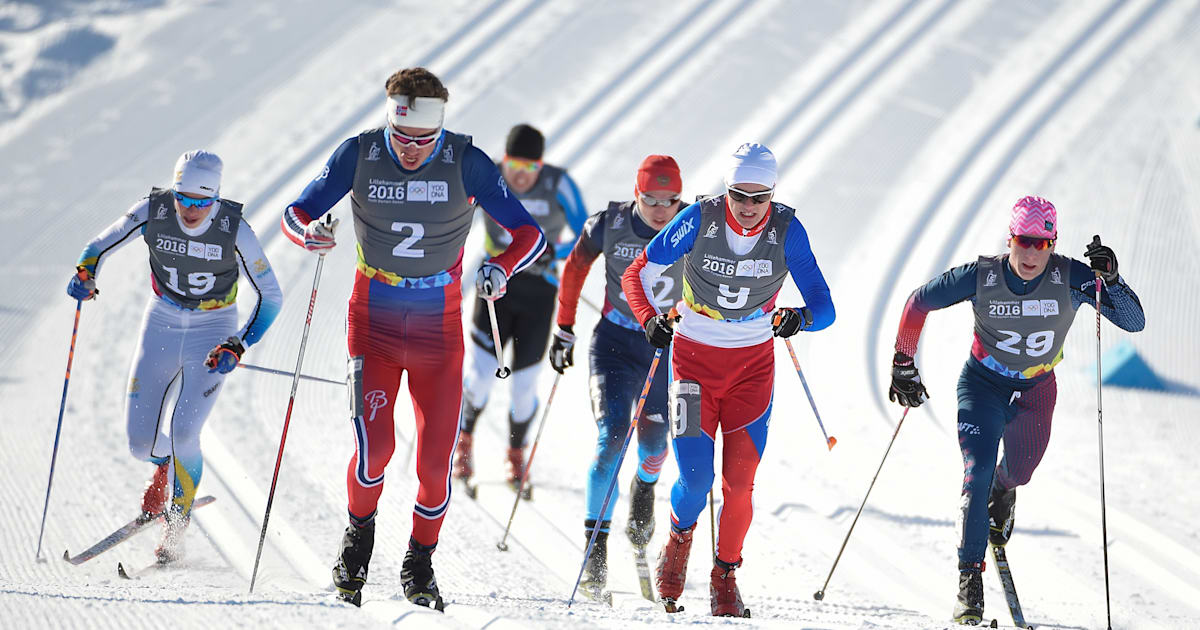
[524,314]
[619,355]
[409,185]
[199,244]
[737,250]
[1024,303]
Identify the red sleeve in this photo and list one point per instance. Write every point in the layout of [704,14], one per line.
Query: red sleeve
[912,321]
[574,273]
[293,223]
[631,284]
[527,244]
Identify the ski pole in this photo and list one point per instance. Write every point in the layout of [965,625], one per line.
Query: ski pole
[829,441]
[258,368]
[1100,430]
[502,370]
[617,469]
[287,418]
[502,545]
[712,523]
[58,430]
[819,595]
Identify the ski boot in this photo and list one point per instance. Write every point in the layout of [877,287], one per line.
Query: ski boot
[1001,508]
[968,611]
[350,571]
[595,570]
[671,571]
[516,469]
[640,527]
[154,500]
[175,523]
[723,591]
[416,575]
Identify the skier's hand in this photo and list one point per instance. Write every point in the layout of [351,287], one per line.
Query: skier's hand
[491,283]
[1102,259]
[789,321]
[82,285]
[224,358]
[906,388]
[318,234]
[562,349]
[660,329]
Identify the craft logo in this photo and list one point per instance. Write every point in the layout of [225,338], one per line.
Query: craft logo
[711,232]
[1056,276]
[373,152]
[990,280]
[375,399]
[772,237]
[224,225]
[208,392]
[448,155]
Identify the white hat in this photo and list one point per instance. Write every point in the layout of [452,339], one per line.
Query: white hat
[752,163]
[198,172]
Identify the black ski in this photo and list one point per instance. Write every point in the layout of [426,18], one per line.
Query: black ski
[1010,589]
[643,571]
[125,532]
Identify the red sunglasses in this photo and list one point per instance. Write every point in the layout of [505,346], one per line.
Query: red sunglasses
[1032,242]
[421,141]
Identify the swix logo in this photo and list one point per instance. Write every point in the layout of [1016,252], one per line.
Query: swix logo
[375,399]
[373,152]
[684,229]
[711,232]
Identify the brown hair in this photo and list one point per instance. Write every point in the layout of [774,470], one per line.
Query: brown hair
[414,82]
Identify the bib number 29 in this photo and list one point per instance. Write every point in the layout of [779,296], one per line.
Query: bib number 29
[405,249]
[1036,345]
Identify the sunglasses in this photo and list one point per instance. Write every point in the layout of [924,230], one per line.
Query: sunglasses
[655,201]
[1032,242]
[188,202]
[421,141]
[520,164]
[742,196]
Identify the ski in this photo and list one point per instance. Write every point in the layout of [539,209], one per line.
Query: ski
[130,573]
[1010,589]
[643,571]
[125,532]
[596,593]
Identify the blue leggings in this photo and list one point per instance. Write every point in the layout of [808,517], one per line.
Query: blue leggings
[991,408]
[619,359]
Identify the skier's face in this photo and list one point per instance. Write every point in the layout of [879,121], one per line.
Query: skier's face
[1028,262]
[520,173]
[413,145]
[652,209]
[750,211]
[192,215]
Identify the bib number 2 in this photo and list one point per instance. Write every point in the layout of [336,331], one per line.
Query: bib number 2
[405,249]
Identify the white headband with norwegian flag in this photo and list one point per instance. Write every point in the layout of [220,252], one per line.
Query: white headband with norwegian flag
[425,112]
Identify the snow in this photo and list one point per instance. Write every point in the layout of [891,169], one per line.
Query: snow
[904,130]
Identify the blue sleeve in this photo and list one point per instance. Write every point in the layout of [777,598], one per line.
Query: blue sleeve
[807,276]
[676,238]
[335,180]
[949,288]
[484,182]
[1118,303]
[572,201]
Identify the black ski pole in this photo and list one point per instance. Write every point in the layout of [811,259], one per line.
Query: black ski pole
[819,595]
[58,431]
[503,545]
[1100,430]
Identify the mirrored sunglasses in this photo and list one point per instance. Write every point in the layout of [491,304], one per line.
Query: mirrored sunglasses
[421,141]
[520,164]
[188,202]
[655,201]
[1033,242]
[742,196]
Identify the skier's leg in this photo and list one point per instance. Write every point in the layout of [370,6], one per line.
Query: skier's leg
[694,419]
[155,366]
[374,384]
[1028,434]
[614,381]
[653,428]
[983,409]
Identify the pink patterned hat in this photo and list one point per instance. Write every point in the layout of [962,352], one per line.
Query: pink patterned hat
[1034,216]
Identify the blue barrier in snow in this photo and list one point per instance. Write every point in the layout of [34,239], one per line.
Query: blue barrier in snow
[1124,367]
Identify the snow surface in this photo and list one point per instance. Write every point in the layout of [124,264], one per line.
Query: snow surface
[904,130]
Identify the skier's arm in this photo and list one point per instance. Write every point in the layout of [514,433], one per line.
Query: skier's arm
[571,201]
[1118,303]
[120,233]
[484,182]
[668,246]
[323,192]
[585,252]
[807,276]
[950,288]
[256,270]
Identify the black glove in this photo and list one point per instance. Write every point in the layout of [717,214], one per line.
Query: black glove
[906,386]
[1104,261]
[224,358]
[789,321]
[562,349]
[659,330]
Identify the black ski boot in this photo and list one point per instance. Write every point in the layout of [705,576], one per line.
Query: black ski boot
[968,611]
[416,576]
[1002,505]
[595,571]
[640,528]
[350,571]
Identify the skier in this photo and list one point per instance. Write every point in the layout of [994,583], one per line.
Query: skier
[524,314]
[1024,303]
[619,356]
[737,250]
[199,244]
[409,184]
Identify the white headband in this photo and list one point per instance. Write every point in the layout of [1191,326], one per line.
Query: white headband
[426,112]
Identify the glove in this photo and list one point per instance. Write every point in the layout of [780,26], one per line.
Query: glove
[225,357]
[660,330]
[562,349]
[1103,260]
[906,386]
[82,285]
[318,234]
[789,321]
[491,283]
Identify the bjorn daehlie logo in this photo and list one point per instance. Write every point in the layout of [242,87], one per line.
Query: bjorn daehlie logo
[375,399]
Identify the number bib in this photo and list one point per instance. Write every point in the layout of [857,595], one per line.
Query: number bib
[621,246]
[541,201]
[195,272]
[410,224]
[1023,335]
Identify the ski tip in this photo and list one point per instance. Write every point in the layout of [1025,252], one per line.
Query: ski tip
[832,442]
[122,572]
[66,555]
[819,595]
